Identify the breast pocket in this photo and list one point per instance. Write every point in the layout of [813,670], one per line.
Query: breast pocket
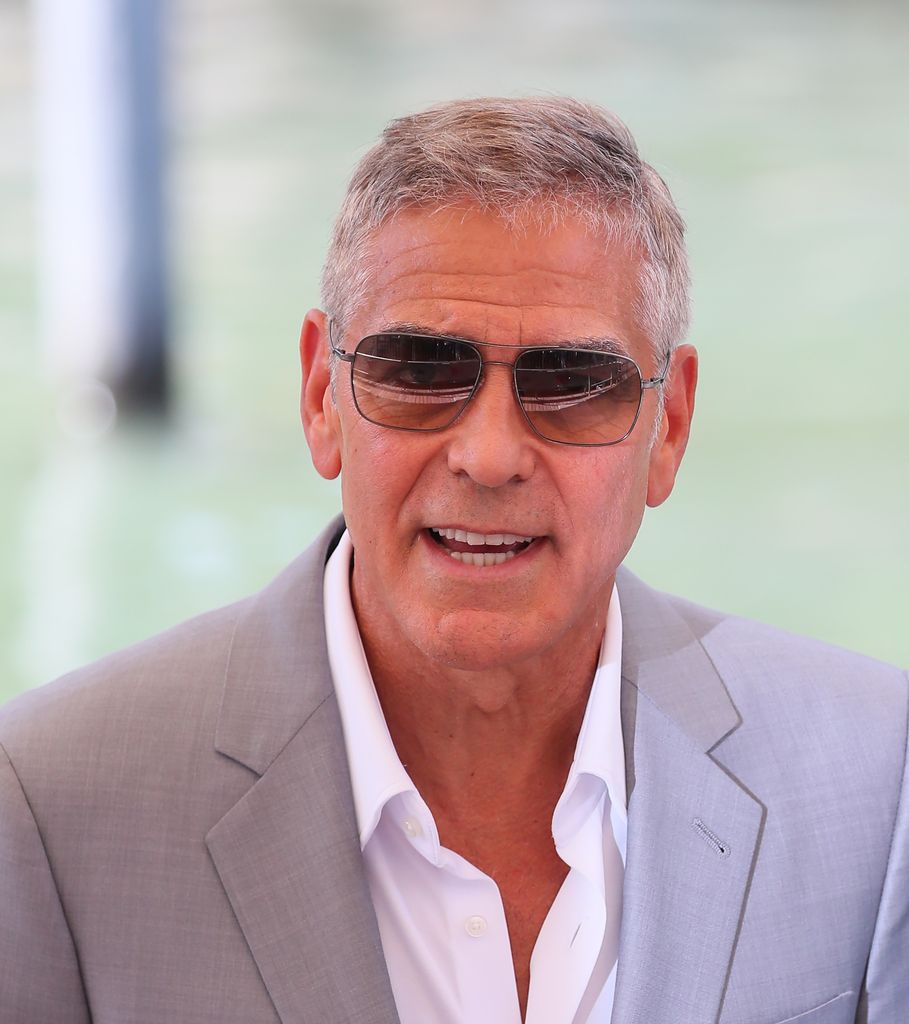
[834,1011]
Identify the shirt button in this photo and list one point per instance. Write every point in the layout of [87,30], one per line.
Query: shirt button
[412,827]
[476,926]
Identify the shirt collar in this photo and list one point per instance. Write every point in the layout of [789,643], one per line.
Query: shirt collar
[376,772]
[600,749]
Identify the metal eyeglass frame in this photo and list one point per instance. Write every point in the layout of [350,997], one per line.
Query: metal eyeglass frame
[349,357]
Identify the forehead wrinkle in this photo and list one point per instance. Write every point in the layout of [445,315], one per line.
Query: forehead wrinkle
[423,258]
[523,307]
[389,274]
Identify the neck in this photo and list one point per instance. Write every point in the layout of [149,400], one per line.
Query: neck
[499,737]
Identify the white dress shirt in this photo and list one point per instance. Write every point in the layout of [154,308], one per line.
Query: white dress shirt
[441,920]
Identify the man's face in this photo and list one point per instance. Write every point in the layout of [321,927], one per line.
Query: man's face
[467,274]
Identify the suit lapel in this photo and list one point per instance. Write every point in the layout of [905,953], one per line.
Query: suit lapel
[693,830]
[287,852]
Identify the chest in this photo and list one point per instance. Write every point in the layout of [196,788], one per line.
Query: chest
[528,875]
[527,902]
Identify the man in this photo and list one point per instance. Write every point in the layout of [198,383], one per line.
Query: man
[455,764]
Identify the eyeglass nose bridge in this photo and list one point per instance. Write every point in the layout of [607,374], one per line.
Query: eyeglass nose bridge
[478,383]
[481,378]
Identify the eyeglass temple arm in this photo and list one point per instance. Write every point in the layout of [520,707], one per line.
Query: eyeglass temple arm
[654,382]
[347,357]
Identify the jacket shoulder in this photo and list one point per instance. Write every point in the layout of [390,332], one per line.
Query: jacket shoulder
[763,666]
[159,705]
[180,668]
[767,667]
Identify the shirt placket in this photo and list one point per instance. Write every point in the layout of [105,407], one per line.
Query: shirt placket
[571,939]
[478,933]
[480,949]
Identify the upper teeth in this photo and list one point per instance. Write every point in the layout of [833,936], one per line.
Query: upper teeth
[480,539]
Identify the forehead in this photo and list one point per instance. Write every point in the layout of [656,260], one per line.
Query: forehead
[473,274]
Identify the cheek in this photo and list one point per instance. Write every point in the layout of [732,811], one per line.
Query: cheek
[378,472]
[614,510]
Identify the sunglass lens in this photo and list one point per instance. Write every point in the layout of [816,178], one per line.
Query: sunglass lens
[579,396]
[413,382]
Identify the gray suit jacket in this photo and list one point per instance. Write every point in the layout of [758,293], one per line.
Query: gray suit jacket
[178,842]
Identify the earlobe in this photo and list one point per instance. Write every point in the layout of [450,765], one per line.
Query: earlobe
[672,437]
[317,408]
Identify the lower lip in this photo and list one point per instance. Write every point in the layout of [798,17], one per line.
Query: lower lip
[510,565]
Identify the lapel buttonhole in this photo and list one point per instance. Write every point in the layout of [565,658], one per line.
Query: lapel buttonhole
[719,846]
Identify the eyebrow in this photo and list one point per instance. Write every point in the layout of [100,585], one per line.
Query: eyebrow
[600,344]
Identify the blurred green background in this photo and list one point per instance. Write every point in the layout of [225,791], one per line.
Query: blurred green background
[781,128]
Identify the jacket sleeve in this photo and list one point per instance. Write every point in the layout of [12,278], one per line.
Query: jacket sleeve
[886,992]
[39,970]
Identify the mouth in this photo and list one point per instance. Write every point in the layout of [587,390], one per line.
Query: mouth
[480,549]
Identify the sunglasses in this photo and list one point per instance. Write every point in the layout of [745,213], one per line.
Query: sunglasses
[579,396]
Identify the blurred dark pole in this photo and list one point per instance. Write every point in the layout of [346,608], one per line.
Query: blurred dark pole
[141,382]
[104,280]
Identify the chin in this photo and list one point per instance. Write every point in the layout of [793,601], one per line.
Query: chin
[477,641]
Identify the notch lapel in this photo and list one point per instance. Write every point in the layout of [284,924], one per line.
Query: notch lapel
[288,853]
[693,829]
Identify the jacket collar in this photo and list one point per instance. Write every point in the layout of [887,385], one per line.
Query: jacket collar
[694,830]
[277,669]
[662,658]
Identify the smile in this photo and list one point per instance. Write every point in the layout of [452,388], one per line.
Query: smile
[481,549]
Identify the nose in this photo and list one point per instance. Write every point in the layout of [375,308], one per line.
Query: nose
[491,442]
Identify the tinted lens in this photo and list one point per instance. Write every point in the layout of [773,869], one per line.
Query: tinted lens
[579,396]
[413,382]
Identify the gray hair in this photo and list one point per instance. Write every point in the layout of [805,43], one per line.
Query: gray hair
[544,158]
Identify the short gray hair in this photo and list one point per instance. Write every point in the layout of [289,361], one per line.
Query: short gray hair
[539,157]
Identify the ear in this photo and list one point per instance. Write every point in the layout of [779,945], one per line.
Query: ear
[317,408]
[675,427]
